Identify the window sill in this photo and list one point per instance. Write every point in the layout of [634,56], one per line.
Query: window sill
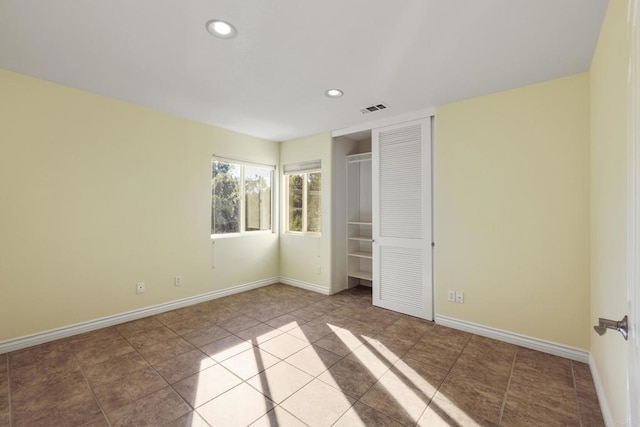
[301,234]
[245,234]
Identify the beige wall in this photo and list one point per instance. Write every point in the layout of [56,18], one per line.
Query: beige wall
[609,203]
[512,210]
[96,195]
[301,256]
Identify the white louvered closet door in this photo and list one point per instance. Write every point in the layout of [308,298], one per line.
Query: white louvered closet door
[402,262]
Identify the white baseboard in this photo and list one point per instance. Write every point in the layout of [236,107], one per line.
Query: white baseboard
[604,406]
[91,325]
[305,285]
[513,338]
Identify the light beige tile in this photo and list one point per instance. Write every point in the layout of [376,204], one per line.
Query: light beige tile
[318,404]
[278,417]
[313,360]
[205,385]
[280,381]
[239,406]
[283,346]
[250,362]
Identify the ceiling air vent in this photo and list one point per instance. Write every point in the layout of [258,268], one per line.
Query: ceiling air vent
[373,108]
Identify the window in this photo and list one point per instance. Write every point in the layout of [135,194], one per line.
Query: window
[303,183]
[241,197]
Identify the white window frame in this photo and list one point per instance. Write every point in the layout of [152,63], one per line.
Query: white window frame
[303,169]
[242,214]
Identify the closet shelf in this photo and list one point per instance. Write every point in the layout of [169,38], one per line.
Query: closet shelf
[361,238]
[365,275]
[361,254]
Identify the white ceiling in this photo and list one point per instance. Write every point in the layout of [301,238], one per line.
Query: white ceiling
[269,81]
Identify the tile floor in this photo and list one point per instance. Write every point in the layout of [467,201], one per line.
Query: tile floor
[284,356]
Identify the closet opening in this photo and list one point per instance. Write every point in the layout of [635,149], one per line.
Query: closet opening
[382,215]
[352,212]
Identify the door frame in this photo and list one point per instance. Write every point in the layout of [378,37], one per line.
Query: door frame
[633,214]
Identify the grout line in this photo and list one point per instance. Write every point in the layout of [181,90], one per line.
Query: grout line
[506,392]
[454,364]
[9,391]
[575,393]
[448,371]
[340,306]
[104,413]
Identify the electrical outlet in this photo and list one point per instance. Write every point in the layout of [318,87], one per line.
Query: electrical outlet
[318,270]
[451,295]
[140,288]
[459,297]
[178,280]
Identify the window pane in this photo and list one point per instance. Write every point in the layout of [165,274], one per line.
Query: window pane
[257,190]
[313,202]
[295,202]
[225,198]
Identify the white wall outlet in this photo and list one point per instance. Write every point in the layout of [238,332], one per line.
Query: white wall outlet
[178,280]
[140,288]
[451,295]
[459,297]
[318,270]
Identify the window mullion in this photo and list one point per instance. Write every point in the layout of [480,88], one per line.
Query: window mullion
[305,190]
[242,200]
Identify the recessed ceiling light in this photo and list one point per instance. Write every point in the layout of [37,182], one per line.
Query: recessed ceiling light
[334,93]
[221,29]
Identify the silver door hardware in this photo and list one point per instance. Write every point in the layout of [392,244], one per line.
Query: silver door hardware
[622,326]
